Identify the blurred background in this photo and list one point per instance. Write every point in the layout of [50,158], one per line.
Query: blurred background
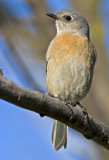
[25,33]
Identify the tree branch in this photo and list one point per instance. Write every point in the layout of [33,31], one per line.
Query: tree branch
[74,117]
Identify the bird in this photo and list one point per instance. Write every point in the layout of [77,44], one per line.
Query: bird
[70,59]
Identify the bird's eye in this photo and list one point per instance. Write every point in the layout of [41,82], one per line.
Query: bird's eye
[68,18]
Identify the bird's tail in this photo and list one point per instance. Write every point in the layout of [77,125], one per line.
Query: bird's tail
[59,135]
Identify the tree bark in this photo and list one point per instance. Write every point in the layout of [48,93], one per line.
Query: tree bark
[75,117]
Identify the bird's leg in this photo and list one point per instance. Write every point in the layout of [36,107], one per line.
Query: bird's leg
[69,104]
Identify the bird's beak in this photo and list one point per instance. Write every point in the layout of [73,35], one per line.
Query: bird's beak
[54,16]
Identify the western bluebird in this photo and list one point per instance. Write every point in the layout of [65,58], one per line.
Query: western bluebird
[70,57]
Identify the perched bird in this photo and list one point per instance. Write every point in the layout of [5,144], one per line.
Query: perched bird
[70,58]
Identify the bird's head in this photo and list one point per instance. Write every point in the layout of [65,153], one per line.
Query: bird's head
[69,21]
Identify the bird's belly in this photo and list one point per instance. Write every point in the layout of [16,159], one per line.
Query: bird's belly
[69,81]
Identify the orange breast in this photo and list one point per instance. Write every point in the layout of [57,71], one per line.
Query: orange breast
[69,45]
[66,44]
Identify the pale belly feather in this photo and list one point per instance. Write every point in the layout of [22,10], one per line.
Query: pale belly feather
[69,81]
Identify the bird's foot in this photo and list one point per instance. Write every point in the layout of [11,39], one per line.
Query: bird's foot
[69,104]
[83,108]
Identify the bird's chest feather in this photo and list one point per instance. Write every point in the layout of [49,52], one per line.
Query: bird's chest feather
[70,67]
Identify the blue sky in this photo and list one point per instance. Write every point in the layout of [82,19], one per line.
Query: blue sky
[56,5]
[104,12]
[23,134]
